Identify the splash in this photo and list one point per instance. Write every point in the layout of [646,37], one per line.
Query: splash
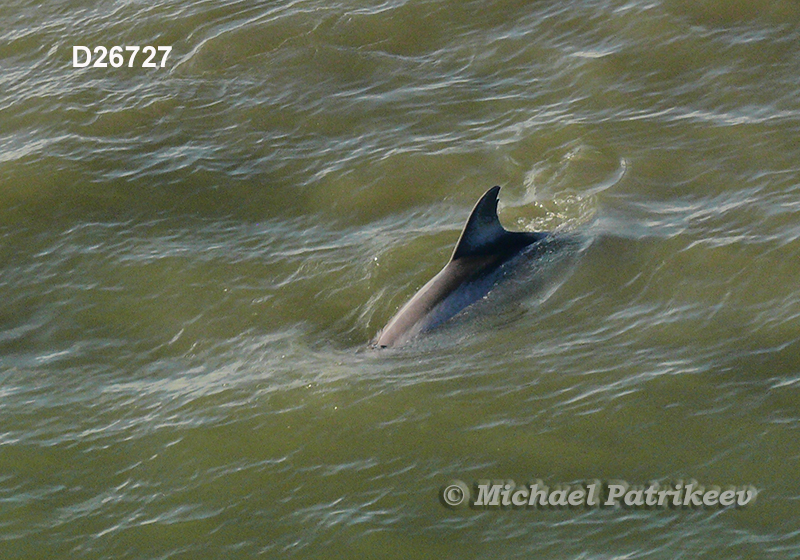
[551,189]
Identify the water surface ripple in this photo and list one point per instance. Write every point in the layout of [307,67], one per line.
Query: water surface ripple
[193,258]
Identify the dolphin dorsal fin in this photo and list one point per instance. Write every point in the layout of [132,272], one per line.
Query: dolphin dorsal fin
[483,229]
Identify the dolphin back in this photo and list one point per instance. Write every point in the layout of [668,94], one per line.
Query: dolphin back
[484,245]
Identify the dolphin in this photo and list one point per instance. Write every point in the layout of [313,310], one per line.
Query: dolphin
[482,257]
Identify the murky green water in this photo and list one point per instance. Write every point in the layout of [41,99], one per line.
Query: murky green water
[193,258]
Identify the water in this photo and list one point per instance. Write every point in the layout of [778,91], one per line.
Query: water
[193,258]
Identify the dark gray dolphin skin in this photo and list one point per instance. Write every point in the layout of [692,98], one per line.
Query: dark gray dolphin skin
[477,264]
